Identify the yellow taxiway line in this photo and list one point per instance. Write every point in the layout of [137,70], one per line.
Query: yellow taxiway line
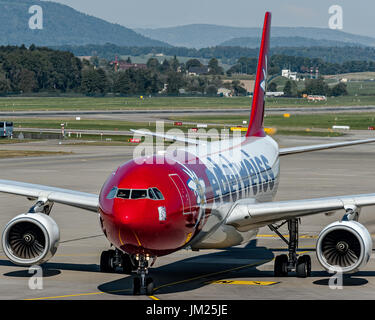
[182,281]
[162,286]
[244,282]
[285,236]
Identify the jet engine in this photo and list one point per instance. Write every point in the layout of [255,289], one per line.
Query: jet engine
[30,239]
[344,246]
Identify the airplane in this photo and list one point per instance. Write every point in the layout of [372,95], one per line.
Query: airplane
[209,198]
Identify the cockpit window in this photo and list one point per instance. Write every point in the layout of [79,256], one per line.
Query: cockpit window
[151,193]
[123,193]
[158,194]
[139,194]
[112,194]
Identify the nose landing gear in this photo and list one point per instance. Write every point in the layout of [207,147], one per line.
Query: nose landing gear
[111,259]
[141,281]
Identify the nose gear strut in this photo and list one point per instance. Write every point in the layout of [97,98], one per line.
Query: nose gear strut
[141,281]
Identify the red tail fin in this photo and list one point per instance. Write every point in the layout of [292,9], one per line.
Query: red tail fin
[257,108]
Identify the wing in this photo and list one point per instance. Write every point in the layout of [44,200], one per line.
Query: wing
[293,150]
[72,198]
[245,212]
[166,136]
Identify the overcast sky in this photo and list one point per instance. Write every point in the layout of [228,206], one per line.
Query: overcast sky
[357,14]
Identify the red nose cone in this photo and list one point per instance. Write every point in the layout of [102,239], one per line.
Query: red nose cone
[138,220]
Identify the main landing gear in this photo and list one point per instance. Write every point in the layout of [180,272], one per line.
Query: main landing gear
[288,263]
[111,259]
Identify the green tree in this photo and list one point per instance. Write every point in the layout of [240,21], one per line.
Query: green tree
[94,82]
[214,67]
[153,64]
[288,89]
[165,66]
[174,63]
[175,82]
[122,83]
[212,90]
[193,63]
[238,89]
[26,81]
[272,87]
[339,90]
[316,87]
[4,84]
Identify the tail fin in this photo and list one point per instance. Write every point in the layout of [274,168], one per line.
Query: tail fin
[257,108]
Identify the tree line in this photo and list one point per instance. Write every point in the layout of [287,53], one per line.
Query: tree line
[38,69]
[301,65]
[169,77]
[311,87]
[228,54]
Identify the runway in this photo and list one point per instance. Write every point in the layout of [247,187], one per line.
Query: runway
[232,274]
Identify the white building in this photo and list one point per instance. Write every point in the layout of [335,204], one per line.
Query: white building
[288,74]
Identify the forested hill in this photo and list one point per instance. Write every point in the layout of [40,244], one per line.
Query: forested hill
[207,35]
[253,42]
[62,25]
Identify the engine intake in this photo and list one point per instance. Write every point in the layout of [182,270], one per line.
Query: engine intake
[30,239]
[344,246]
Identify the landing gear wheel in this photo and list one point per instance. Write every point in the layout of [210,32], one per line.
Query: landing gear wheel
[106,261]
[136,286]
[281,266]
[303,268]
[127,265]
[149,286]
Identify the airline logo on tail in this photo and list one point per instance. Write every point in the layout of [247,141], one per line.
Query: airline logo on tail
[263,83]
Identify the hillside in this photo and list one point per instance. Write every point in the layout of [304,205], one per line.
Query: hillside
[62,25]
[285,42]
[206,35]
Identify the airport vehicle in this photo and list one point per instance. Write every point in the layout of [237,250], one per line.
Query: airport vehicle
[6,129]
[213,197]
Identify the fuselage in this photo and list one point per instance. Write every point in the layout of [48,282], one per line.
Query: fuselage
[158,204]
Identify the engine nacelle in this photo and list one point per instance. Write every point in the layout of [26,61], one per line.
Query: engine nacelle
[30,239]
[344,246]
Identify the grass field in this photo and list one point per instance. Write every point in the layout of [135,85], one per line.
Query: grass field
[118,103]
[28,153]
[13,141]
[136,103]
[358,121]
[100,125]
[306,125]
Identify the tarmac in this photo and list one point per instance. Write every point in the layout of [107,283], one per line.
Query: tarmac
[239,273]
